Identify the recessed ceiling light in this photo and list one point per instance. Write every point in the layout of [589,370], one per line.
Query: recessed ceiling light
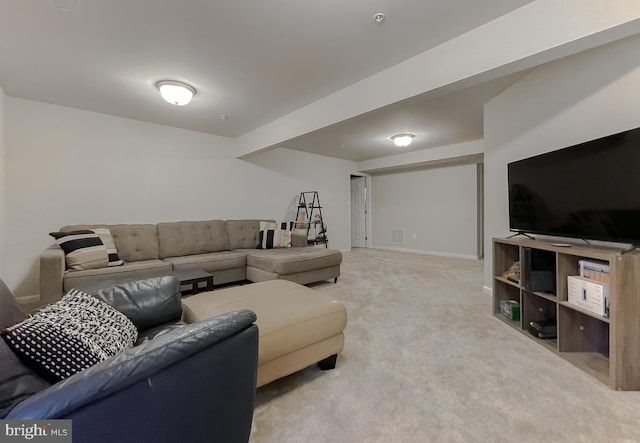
[378,18]
[224,117]
[175,92]
[402,140]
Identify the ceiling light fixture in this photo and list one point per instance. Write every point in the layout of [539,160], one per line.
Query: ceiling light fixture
[402,140]
[378,18]
[175,92]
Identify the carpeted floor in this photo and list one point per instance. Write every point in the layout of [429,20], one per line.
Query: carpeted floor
[425,361]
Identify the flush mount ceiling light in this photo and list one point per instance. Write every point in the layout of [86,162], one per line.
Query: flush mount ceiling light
[378,18]
[402,140]
[175,92]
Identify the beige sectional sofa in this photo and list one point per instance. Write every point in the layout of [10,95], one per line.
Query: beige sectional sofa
[224,248]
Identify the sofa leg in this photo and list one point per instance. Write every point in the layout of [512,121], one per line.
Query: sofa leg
[335,280]
[328,363]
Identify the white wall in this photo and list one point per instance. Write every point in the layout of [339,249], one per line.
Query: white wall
[438,205]
[3,209]
[67,166]
[298,171]
[585,96]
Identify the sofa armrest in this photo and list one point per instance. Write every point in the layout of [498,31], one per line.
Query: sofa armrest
[52,267]
[132,365]
[177,387]
[299,238]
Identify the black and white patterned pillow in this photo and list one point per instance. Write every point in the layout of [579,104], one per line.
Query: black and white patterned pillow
[70,335]
[271,237]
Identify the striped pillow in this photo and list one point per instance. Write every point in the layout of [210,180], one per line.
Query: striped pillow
[287,226]
[82,249]
[271,237]
[105,236]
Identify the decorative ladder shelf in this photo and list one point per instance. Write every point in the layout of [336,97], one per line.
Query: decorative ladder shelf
[309,215]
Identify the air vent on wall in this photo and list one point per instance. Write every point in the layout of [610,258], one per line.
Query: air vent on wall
[397,236]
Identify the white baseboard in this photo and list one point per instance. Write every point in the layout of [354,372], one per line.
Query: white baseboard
[421,252]
[28,299]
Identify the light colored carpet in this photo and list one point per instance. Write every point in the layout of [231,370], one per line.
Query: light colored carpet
[425,361]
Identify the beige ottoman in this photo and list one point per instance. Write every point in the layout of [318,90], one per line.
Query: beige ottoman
[298,326]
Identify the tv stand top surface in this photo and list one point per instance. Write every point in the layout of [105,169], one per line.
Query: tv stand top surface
[573,248]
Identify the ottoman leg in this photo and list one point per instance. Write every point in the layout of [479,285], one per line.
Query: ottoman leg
[328,363]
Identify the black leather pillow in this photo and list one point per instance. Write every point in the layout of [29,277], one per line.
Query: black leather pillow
[17,381]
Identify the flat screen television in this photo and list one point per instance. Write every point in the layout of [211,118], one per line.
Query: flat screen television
[589,191]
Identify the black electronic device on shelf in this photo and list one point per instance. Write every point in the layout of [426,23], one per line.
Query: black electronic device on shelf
[539,272]
[544,329]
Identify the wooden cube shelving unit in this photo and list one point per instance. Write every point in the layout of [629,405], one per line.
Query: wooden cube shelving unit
[608,348]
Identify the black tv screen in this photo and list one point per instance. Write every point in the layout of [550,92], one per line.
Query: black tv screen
[589,191]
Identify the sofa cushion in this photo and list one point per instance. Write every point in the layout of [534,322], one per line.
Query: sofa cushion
[177,239]
[83,249]
[17,381]
[129,271]
[243,234]
[157,331]
[291,260]
[217,261]
[70,335]
[134,242]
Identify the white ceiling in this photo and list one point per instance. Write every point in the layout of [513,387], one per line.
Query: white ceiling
[435,120]
[253,61]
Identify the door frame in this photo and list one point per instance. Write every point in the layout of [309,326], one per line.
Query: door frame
[367,207]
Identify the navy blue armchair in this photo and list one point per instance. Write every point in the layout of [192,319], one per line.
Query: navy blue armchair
[191,383]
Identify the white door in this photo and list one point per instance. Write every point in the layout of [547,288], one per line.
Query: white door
[358,211]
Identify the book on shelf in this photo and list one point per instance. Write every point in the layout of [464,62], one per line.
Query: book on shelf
[594,270]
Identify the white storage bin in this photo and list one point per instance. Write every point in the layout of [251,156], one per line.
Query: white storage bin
[588,294]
